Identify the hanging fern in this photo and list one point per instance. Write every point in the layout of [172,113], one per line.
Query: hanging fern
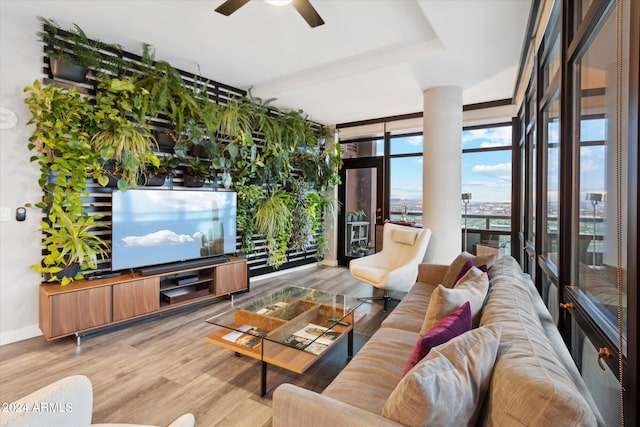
[273,220]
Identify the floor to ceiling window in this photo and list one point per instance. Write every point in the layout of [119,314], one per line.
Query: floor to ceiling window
[578,189]
[486,188]
[405,178]
[600,188]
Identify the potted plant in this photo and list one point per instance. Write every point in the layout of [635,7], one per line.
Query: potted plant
[196,173]
[61,141]
[157,172]
[122,136]
[72,245]
[72,54]
[165,138]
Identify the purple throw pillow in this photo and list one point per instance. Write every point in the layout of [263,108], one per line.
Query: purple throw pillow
[455,323]
[466,267]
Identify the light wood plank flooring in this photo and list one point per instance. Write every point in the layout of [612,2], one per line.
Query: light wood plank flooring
[154,371]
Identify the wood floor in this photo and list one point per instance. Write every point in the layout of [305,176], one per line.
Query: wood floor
[154,371]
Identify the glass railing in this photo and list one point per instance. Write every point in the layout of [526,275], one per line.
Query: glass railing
[495,231]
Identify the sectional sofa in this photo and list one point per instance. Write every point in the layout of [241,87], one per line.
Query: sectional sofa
[511,369]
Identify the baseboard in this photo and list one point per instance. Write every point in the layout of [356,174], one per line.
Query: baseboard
[280,273]
[20,334]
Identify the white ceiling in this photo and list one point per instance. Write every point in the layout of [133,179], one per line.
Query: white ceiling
[372,58]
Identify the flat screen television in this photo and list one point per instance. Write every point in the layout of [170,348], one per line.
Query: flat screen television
[154,227]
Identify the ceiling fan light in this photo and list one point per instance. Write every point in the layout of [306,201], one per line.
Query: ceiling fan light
[278,2]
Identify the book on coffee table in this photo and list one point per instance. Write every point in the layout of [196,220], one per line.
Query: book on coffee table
[246,335]
[270,309]
[305,344]
[318,334]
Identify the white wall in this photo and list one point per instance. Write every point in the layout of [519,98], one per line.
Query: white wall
[20,65]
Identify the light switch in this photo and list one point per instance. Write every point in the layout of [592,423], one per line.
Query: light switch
[5,214]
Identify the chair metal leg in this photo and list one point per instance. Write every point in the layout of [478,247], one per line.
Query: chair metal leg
[384,298]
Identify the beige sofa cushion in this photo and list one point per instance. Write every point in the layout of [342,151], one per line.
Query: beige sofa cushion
[409,313]
[449,278]
[447,387]
[443,300]
[368,380]
[545,393]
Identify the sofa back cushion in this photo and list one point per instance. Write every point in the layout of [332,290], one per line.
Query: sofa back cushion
[458,263]
[444,300]
[530,385]
[447,387]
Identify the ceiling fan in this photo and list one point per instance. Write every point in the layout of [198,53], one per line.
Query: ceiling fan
[303,7]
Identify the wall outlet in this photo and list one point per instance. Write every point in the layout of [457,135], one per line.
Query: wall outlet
[5,214]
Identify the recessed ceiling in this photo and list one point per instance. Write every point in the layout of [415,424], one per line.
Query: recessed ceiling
[371,58]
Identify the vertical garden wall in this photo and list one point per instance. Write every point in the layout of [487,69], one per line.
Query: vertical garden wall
[105,118]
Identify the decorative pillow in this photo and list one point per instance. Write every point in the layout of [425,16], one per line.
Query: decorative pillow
[449,278]
[456,323]
[448,386]
[406,237]
[467,265]
[444,300]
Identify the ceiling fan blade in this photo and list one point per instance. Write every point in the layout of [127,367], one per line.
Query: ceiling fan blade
[307,11]
[230,6]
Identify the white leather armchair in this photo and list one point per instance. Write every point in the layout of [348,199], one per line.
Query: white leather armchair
[65,403]
[396,266]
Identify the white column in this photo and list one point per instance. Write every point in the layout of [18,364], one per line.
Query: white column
[331,254]
[442,175]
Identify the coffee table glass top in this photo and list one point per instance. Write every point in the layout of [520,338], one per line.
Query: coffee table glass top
[303,318]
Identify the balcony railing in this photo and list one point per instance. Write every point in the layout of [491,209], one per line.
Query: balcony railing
[495,230]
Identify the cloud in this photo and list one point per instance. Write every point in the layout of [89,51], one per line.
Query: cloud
[414,140]
[501,170]
[590,166]
[488,137]
[488,184]
[158,238]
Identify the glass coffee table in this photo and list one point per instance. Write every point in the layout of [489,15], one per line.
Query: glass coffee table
[291,328]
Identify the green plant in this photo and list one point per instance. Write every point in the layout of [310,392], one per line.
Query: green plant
[168,93]
[273,220]
[199,169]
[166,165]
[63,124]
[73,46]
[303,216]
[122,135]
[250,197]
[70,240]
[236,118]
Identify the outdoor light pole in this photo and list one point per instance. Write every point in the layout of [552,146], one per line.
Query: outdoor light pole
[465,199]
[594,198]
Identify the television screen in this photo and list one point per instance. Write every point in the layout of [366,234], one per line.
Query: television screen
[151,227]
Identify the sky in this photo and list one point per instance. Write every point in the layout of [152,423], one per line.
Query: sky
[486,175]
